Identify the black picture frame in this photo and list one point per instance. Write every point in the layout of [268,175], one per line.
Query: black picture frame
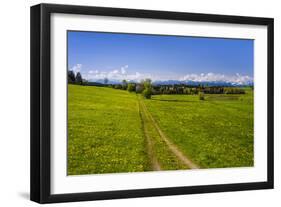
[41,96]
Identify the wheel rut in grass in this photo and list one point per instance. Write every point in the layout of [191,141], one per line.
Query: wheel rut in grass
[172,147]
[154,163]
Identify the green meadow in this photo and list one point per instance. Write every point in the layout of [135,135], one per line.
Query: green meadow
[112,130]
[214,133]
[104,131]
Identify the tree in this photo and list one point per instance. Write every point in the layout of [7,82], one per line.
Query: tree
[147,93]
[118,86]
[70,76]
[78,78]
[124,84]
[147,83]
[131,87]
[147,88]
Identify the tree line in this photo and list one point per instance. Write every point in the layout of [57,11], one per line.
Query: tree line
[72,78]
[146,87]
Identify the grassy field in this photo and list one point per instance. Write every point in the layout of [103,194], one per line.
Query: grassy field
[104,131]
[214,133]
[113,130]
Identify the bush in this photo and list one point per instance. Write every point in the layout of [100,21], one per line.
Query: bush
[201,96]
[118,86]
[234,91]
[147,93]
[131,87]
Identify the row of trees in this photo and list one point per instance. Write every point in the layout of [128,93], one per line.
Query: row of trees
[191,90]
[147,89]
[72,78]
[144,87]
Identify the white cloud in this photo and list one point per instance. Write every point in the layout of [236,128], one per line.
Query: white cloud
[76,68]
[116,74]
[123,73]
[213,77]
[123,69]
[93,71]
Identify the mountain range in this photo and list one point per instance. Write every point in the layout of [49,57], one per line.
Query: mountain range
[178,82]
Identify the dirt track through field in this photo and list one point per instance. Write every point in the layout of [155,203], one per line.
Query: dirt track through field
[172,147]
[154,163]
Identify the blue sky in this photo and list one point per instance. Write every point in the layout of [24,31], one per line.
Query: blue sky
[134,57]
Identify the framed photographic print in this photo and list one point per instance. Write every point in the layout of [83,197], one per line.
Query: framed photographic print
[132,103]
